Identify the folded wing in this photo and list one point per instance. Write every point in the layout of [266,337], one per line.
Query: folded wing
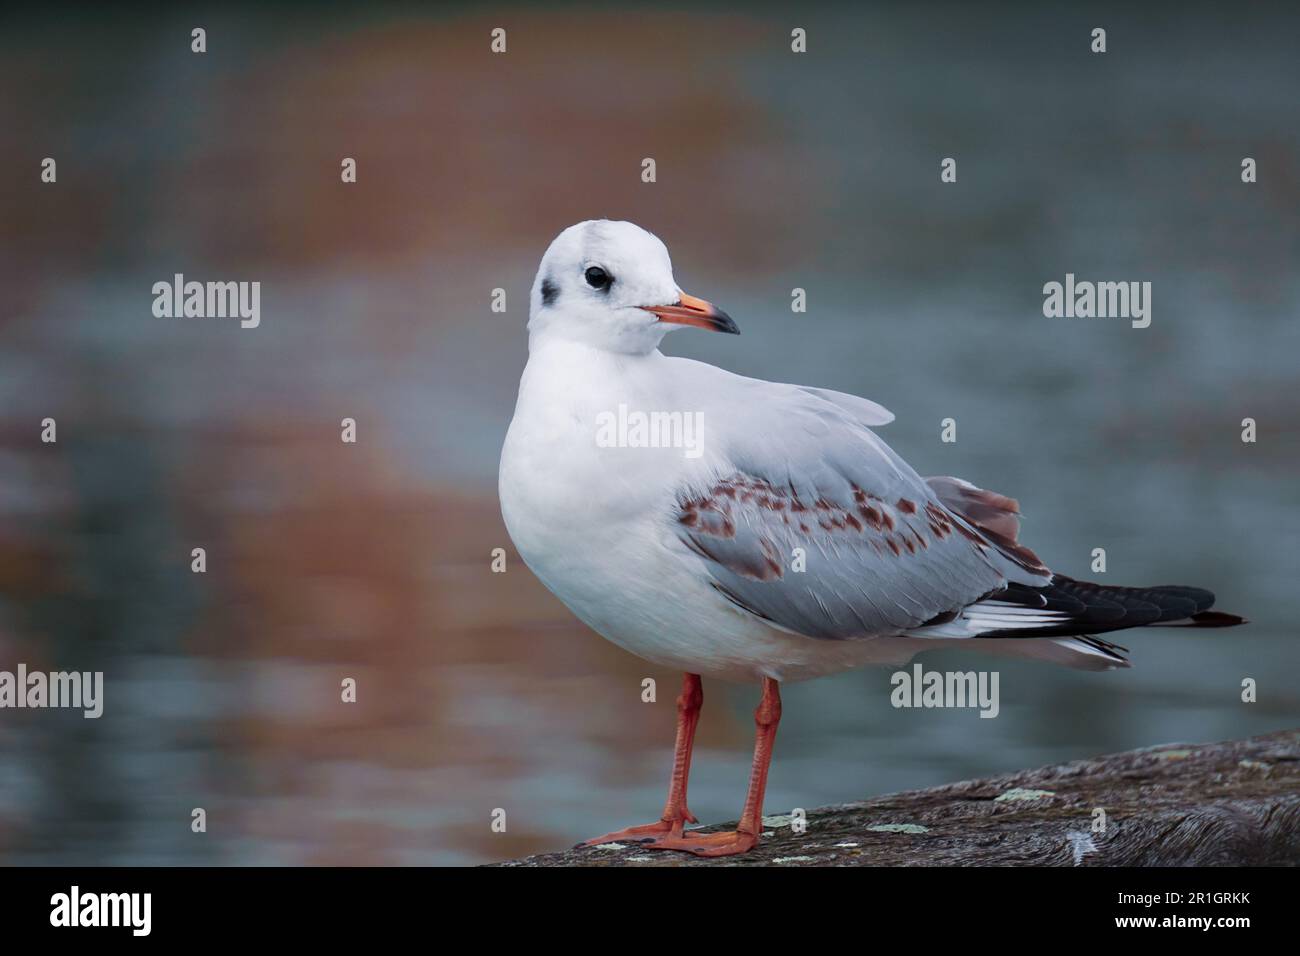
[812,523]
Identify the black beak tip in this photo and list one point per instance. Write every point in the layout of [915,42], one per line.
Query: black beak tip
[726,324]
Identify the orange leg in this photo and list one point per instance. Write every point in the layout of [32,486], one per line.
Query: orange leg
[745,837]
[675,815]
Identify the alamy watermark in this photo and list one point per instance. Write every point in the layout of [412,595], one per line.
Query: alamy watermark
[629,428]
[922,688]
[75,689]
[75,908]
[1102,300]
[208,300]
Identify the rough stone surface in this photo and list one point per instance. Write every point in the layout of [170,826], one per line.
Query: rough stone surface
[1232,803]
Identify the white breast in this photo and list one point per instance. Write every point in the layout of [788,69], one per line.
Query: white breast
[588,520]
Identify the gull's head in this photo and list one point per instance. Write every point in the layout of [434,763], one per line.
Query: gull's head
[610,285]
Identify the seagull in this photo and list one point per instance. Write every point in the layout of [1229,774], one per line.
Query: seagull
[788,542]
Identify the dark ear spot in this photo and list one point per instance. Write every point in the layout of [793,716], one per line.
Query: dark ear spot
[550,292]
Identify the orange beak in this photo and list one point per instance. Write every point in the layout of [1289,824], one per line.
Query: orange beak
[688,310]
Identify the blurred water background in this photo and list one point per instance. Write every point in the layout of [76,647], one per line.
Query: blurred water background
[775,170]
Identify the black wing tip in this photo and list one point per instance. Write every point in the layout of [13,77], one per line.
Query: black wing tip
[1098,608]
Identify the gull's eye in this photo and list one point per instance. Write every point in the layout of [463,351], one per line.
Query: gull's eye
[598,278]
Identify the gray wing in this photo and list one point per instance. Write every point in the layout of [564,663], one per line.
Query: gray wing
[811,522]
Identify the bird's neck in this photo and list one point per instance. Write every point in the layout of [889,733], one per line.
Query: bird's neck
[548,327]
[575,373]
[556,350]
